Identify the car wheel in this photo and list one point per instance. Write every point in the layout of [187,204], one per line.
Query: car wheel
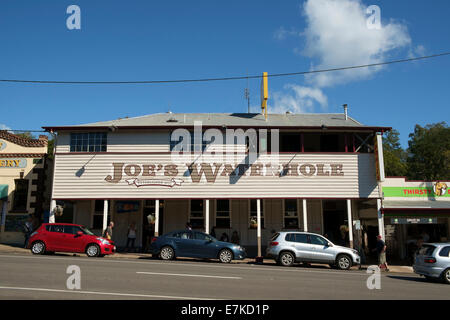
[344,262]
[93,250]
[225,256]
[38,247]
[167,253]
[446,276]
[287,259]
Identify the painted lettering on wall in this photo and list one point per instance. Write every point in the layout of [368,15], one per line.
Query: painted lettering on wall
[13,163]
[209,172]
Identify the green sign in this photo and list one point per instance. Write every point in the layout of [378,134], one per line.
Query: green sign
[3,191]
[409,192]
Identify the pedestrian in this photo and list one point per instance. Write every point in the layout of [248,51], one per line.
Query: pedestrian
[131,235]
[224,237]
[213,231]
[108,231]
[235,237]
[188,226]
[381,251]
[28,229]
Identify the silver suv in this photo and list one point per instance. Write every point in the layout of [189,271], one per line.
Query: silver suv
[433,261]
[288,247]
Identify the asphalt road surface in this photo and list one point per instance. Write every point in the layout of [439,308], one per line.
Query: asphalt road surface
[45,277]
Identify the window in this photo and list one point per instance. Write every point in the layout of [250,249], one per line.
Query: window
[427,250]
[301,238]
[88,142]
[318,240]
[291,214]
[202,236]
[70,229]
[290,142]
[205,143]
[324,142]
[97,220]
[445,252]
[20,195]
[297,237]
[223,214]
[183,235]
[253,214]
[196,217]
[55,228]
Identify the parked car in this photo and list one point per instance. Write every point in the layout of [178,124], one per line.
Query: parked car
[195,244]
[433,261]
[288,247]
[66,237]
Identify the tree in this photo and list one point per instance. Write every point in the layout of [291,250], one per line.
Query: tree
[429,152]
[51,144]
[394,155]
[27,135]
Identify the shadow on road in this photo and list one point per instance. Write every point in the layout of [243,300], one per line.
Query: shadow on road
[415,279]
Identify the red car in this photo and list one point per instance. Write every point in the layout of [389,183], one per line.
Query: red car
[67,237]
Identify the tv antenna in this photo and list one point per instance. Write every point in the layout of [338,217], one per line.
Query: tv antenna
[247,95]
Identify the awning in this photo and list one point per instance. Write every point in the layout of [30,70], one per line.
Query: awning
[3,191]
[416,204]
[416,208]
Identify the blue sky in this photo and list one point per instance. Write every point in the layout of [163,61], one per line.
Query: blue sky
[161,40]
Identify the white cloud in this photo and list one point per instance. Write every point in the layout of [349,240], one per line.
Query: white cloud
[4,127]
[337,36]
[296,99]
[282,33]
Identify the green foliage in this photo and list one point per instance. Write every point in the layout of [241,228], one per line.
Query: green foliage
[394,155]
[429,152]
[27,135]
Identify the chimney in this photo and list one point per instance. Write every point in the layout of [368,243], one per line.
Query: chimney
[345,111]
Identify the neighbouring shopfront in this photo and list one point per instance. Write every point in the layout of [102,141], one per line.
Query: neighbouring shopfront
[22,184]
[414,212]
[322,179]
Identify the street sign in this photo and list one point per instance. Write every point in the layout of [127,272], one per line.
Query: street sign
[413,220]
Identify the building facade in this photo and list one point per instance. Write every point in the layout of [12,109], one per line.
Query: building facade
[414,212]
[23,165]
[314,172]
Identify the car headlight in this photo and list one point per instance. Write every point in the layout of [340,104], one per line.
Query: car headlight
[355,252]
[237,248]
[103,241]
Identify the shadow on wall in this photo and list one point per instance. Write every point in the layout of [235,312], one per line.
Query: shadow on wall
[367,181]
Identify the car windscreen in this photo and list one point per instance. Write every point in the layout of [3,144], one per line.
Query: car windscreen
[86,231]
[427,250]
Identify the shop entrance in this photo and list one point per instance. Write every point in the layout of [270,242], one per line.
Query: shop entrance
[148,229]
[335,222]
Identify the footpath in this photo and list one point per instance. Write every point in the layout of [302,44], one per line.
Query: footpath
[14,249]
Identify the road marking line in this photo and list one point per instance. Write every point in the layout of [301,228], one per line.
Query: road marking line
[106,293]
[188,275]
[194,263]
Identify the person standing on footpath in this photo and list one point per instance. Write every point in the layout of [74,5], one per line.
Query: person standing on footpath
[108,231]
[381,251]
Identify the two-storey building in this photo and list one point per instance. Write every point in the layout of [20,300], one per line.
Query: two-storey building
[23,166]
[314,172]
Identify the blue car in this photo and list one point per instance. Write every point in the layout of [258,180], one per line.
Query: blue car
[195,244]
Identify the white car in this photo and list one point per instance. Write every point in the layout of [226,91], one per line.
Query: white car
[288,247]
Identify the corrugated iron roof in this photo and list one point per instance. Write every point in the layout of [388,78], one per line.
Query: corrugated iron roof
[228,119]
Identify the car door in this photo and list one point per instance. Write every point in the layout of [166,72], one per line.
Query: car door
[205,246]
[303,249]
[321,251]
[184,244]
[72,241]
[55,238]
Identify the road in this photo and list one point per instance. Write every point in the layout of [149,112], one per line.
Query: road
[44,277]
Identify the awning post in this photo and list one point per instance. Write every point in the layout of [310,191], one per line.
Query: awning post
[350,222]
[305,216]
[156,218]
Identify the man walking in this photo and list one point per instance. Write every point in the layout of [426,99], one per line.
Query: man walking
[381,251]
[108,231]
